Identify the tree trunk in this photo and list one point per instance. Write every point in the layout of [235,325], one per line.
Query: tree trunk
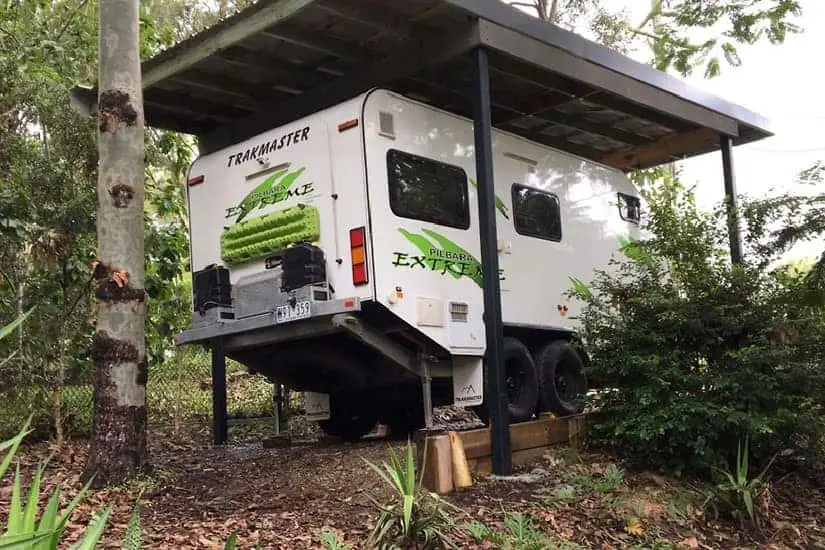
[21,296]
[118,445]
[554,11]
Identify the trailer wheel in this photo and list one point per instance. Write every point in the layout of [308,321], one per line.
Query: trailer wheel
[348,420]
[562,378]
[521,383]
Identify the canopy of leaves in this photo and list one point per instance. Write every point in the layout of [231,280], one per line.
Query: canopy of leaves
[48,174]
[682,34]
[694,354]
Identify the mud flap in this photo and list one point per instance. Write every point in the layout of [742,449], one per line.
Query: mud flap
[316,406]
[468,381]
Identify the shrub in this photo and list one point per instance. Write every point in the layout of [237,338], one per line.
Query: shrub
[736,495]
[694,353]
[416,518]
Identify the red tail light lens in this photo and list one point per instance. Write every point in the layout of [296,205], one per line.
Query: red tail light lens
[358,255]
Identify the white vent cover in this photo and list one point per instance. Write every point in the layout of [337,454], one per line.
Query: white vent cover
[459,312]
[386,124]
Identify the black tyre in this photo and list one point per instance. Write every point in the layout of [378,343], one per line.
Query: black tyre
[349,420]
[562,377]
[521,383]
[405,421]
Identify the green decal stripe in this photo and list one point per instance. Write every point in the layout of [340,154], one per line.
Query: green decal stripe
[500,206]
[274,189]
[450,246]
[467,266]
[249,201]
[268,234]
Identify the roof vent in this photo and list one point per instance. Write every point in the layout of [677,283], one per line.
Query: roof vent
[386,124]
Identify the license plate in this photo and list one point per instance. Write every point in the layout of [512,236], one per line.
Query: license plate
[300,310]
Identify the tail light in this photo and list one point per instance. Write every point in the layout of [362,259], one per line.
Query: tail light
[358,253]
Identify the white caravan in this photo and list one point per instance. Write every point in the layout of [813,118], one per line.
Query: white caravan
[340,255]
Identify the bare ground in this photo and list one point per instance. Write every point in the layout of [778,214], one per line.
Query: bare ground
[197,495]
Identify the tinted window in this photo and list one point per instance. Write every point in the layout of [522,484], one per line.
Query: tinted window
[427,190]
[536,213]
[629,208]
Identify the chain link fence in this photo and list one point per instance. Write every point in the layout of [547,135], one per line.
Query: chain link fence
[179,392]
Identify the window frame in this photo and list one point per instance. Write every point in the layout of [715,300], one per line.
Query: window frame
[465,217]
[624,197]
[515,188]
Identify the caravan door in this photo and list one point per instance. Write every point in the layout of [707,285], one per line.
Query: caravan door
[423,213]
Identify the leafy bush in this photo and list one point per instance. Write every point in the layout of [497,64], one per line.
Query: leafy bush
[694,353]
[736,494]
[416,518]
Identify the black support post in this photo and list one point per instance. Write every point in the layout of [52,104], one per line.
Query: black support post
[219,427]
[496,397]
[730,195]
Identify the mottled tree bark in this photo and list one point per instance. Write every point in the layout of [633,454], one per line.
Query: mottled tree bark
[118,446]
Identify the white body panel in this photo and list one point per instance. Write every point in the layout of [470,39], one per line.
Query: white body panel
[352,166]
[535,272]
[332,160]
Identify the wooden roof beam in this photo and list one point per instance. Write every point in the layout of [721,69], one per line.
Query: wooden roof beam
[327,45]
[423,52]
[226,33]
[672,146]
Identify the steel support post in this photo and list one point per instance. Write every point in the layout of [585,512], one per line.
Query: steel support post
[496,397]
[730,195]
[279,407]
[219,424]
[427,393]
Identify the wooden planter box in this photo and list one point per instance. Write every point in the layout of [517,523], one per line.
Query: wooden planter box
[528,441]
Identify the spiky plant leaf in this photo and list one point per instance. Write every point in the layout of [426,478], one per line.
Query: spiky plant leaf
[25,541]
[11,327]
[12,445]
[132,540]
[14,525]
[94,530]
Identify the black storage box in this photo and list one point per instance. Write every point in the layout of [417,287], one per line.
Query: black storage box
[302,265]
[211,288]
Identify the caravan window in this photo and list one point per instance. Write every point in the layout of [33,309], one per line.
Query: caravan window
[536,213]
[427,190]
[629,208]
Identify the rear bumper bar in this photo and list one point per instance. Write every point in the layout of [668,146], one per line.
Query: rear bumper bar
[322,312]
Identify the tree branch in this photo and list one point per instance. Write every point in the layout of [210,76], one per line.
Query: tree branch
[70,20]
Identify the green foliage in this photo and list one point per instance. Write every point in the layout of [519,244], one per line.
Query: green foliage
[607,483]
[695,353]
[22,528]
[132,538]
[331,541]
[416,516]
[736,493]
[558,497]
[520,534]
[683,35]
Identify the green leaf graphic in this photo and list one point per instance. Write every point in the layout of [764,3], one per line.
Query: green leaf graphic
[499,203]
[631,249]
[450,246]
[580,289]
[270,191]
[250,201]
[442,243]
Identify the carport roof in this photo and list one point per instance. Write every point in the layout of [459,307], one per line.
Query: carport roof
[283,59]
